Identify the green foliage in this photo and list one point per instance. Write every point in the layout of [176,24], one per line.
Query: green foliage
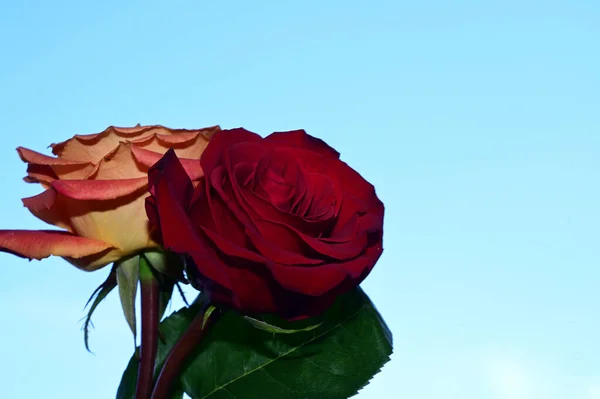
[332,361]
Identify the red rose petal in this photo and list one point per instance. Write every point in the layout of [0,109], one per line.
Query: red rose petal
[300,139]
[334,250]
[214,215]
[251,291]
[229,248]
[313,281]
[170,188]
[214,152]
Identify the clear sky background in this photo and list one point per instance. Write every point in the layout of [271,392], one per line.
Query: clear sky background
[477,121]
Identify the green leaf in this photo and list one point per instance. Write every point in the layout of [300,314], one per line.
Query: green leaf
[128,275]
[263,325]
[97,296]
[332,361]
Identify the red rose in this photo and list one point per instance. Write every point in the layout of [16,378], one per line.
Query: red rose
[280,225]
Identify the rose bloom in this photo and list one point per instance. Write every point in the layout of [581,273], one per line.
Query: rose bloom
[95,189]
[279,225]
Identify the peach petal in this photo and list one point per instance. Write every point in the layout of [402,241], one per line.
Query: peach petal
[190,150]
[40,244]
[62,168]
[48,207]
[111,221]
[180,138]
[149,158]
[35,157]
[93,147]
[86,190]
[120,164]
[138,130]
[121,222]
[96,186]
[40,174]
[96,261]
[73,172]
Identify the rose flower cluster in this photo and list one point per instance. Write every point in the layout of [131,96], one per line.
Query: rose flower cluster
[274,225]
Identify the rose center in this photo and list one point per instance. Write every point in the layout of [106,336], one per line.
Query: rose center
[321,205]
[279,182]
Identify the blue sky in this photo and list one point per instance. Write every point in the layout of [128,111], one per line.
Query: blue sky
[478,123]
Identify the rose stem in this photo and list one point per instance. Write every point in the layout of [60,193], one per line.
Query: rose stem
[149,336]
[188,341]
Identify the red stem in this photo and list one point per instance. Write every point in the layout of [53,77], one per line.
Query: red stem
[149,336]
[188,341]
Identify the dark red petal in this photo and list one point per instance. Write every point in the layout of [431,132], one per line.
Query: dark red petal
[313,281]
[300,139]
[213,214]
[358,268]
[171,190]
[152,212]
[336,277]
[333,250]
[169,168]
[245,152]
[218,145]
[352,181]
[251,282]
[323,204]
[261,209]
[274,238]
[228,193]
[276,243]
[228,247]
[226,185]
[235,224]
[251,291]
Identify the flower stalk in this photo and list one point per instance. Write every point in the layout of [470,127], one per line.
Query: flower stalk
[186,344]
[149,336]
